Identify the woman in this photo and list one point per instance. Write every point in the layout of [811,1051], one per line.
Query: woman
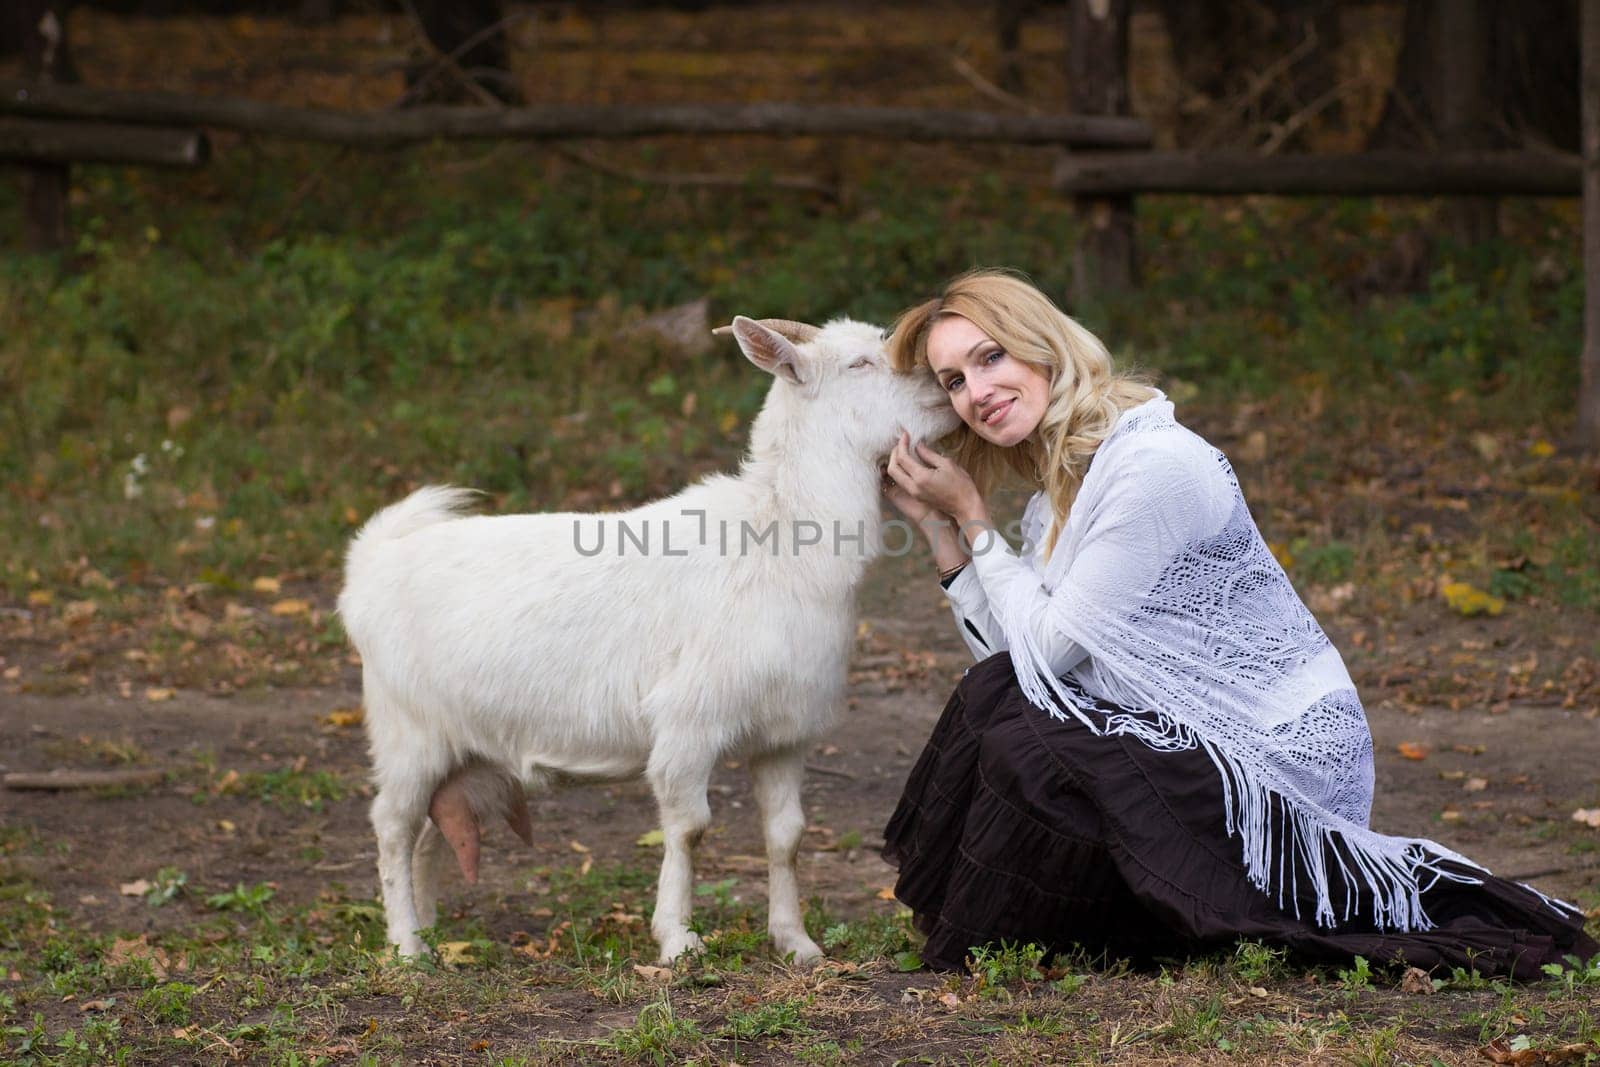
[1160,751]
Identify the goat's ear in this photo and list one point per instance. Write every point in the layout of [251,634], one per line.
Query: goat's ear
[767,349]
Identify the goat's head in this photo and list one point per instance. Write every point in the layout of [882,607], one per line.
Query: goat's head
[840,375]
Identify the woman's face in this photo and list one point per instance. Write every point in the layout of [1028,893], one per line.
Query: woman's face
[999,396]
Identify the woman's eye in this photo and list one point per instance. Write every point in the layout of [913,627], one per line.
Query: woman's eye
[994,356]
[952,384]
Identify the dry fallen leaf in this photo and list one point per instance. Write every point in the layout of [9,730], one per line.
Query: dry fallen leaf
[79,612]
[1465,599]
[1475,785]
[534,951]
[886,893]
[652,839]
[456,952]
[578,846]
[138,948]
[136,888]
[1519,1050]
[1416,980]
[1412,750]
[342,718]
[291,606]
[266,585]
[652,974]
[157,694]
[1588,816]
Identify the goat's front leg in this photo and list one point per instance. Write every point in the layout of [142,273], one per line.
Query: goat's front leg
[776,778]
[680,775]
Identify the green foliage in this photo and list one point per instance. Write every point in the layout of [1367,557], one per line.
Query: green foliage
[993,966]
[777,1018]
[871,937]
[1575,974]
[168,1003]
[1357,979]
[169,883]
[659,1034]
[290,787]
[241,897]
[1256,963]
[1197,1020]
[1325,563]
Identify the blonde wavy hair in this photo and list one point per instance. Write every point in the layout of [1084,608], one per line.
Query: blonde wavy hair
[1087,393]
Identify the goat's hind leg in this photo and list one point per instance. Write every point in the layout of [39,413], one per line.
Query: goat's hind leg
[405,776]
[398,812]
[430,857]
[776,778]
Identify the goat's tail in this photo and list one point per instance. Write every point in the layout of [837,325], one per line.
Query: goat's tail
[429,505]
[425,507]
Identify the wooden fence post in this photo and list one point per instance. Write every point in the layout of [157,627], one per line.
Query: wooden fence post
[1104,262]
[1589,367]
[1460,55]
[45,185]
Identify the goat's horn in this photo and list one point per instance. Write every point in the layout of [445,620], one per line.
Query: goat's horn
[797,332]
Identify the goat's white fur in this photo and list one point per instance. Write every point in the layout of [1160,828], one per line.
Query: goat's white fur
[493,641]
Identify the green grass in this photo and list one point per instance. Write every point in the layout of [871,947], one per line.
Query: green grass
[275,980]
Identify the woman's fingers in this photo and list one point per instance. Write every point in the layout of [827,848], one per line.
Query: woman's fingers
[909,479]
[897,472]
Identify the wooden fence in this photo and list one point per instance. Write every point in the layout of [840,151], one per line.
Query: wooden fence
[46,125]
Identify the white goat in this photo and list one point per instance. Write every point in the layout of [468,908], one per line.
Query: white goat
[713,624]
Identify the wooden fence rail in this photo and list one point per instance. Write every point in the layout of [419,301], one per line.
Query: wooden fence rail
[1355,174]
[389,129]
[57,141]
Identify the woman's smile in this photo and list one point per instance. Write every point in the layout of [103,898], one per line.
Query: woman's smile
[997,413]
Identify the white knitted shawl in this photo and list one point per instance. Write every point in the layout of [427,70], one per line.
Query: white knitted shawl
[1193,629]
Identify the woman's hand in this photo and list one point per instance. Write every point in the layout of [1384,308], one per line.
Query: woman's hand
[913,510]
[923,478]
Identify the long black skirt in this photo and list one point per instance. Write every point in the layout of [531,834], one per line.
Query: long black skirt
[1016,826]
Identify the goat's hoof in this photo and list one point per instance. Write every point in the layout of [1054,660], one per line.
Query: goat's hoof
[679,944]
[804,952]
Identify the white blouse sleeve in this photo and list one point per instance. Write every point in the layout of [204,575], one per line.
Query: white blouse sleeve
[974,623]
[1008,583]
[969,599]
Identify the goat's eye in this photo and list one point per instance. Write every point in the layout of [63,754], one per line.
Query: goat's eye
[861,363]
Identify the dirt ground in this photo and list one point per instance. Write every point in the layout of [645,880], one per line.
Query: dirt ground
[1499,787]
